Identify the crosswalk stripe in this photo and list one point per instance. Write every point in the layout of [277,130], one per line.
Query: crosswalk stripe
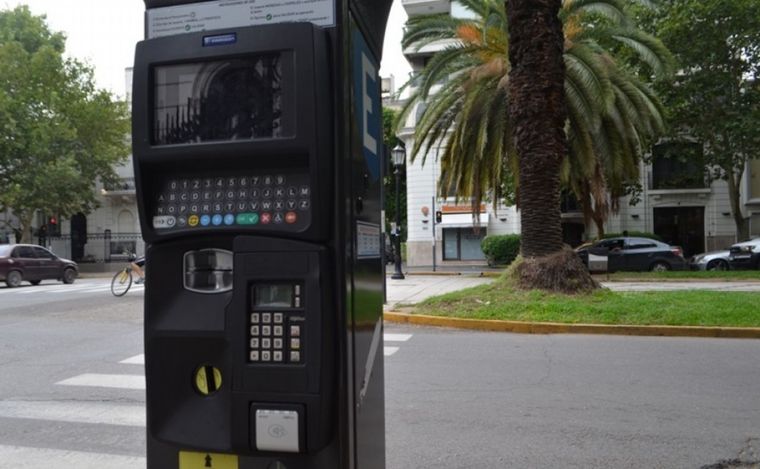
[397,337]
[21,457]
[106,381]
[136,360]
[388,351]
[75,412]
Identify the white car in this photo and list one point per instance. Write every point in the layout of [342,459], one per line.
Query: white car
[745,255]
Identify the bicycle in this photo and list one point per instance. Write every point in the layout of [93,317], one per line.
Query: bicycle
[122,280]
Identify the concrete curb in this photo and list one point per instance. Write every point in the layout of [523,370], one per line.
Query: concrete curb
[559,328]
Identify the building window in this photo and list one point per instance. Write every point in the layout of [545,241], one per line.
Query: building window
[463,244]
[754,179]
[754,224]
[678,165]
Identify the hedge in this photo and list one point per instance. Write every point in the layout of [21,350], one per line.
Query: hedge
[501,249]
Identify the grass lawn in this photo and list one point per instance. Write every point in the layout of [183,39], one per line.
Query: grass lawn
[741,275]
[682,308]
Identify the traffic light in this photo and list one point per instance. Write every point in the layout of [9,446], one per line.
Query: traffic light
[53,228]
[438,216]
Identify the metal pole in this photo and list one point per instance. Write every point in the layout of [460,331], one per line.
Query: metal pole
[434,240]
[398,274]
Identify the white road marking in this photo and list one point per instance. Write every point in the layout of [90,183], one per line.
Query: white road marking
[388,351]
[397,337]
[75,412]
[20,457]
[106,381]
[136,360]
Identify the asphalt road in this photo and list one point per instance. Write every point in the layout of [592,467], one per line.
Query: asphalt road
[71,393]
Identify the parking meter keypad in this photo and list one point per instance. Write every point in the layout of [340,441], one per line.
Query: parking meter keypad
[276,338]
[273,201]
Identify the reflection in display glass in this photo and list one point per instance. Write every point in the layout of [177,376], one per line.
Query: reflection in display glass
[274,296]
[233,99]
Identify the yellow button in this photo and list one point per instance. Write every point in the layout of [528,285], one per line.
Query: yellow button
[191,460]
[193,220]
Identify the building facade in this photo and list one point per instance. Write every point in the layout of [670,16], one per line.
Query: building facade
[676,201]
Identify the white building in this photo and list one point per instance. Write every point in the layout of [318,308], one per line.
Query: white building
[676,205]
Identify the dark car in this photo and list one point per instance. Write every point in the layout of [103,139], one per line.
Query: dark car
[745,255]
[19,262]
[631,254]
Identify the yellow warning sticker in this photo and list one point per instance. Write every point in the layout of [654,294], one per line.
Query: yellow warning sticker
[191,460]
[208,380]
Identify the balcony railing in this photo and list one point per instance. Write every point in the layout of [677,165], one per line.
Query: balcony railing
[426,7]
[123,186]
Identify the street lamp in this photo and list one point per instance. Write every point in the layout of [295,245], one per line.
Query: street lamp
[399,157]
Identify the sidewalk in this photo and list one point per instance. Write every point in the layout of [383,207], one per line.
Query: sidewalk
[416,288]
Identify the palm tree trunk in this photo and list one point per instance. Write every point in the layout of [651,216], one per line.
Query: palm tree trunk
[538,111]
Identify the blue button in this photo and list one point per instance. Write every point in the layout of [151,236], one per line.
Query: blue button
[229,219]
[217,220]
[205,220]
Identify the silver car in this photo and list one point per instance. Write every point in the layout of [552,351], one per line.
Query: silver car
[715,260]
[723,260]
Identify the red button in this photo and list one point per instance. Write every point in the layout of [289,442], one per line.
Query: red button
[266,218]
[291,217]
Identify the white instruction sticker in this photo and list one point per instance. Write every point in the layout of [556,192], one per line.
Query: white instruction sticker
[367,240]
[221,14]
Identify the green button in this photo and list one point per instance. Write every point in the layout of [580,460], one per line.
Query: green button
[248,218]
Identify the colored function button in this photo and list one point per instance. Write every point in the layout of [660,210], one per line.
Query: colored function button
[216,220]
[164,222]
[248,218]
[291,218]
[229,219]
[193,220]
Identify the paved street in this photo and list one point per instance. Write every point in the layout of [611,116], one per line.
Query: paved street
[73,393]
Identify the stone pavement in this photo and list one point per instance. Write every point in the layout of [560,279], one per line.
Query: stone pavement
[416,288]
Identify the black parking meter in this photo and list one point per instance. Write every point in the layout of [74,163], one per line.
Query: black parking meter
[257,162]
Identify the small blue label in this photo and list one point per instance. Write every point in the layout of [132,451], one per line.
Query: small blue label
[205,220]
[229,219]
[219,40]
[217,220]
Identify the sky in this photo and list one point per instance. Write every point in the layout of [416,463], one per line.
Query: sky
[104,33]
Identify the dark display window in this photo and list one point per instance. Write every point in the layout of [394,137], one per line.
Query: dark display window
[463,244]
[226,100]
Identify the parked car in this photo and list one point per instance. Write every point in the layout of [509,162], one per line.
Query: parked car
[19,262]
[745,255]
[631,254]
[715,260]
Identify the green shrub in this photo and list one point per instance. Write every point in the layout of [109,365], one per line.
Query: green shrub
[633,234]
[501,249]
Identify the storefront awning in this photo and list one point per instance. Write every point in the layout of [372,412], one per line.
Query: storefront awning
[462,220]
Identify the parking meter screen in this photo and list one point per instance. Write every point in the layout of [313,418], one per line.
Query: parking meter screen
[224,100]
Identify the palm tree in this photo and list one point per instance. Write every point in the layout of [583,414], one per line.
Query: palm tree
[471,99]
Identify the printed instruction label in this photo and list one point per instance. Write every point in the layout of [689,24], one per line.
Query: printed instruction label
[221,14]
[367,240]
